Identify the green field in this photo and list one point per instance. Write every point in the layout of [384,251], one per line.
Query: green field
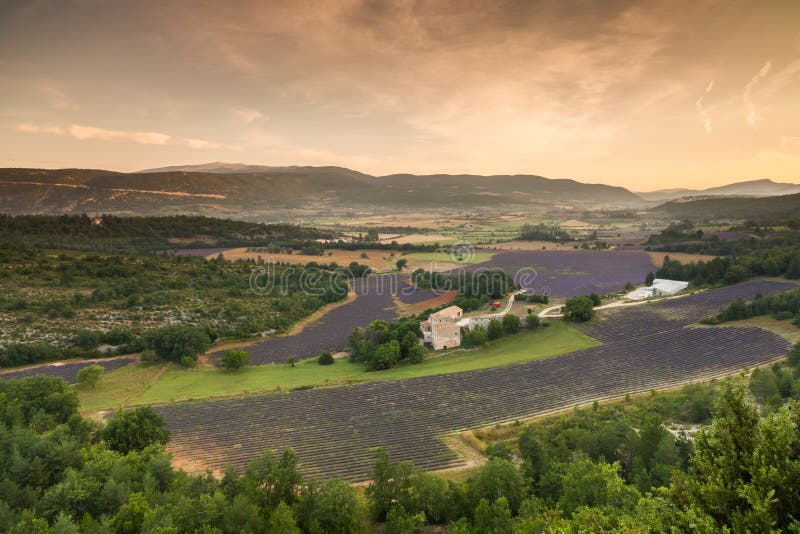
[166,383]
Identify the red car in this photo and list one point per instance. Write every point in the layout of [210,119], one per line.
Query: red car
[496,304]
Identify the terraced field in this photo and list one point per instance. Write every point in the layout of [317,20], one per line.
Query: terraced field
[335,431]
[66,370]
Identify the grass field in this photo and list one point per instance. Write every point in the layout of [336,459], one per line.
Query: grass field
[166,383]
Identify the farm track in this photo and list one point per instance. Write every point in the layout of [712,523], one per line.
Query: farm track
[335,431]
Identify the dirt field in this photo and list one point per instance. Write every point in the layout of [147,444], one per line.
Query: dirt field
[419,238]
[658,257]
[529,245]
[419,307]
[378,260]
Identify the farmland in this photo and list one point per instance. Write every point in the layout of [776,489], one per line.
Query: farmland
[67,370]
[335,430]
[142,385]
[564,273]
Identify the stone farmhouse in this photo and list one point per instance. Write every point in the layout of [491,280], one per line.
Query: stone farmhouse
[441,329]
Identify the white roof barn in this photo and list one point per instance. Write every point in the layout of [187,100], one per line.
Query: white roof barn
[661,287]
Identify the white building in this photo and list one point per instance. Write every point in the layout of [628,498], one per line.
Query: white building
[661,288]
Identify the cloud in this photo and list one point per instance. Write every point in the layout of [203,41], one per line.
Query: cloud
[143,138]
[703,112]
[40,128]
[82,132]
[247,115]
[747,96]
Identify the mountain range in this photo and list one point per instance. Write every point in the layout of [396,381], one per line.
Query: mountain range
[253,191]
[750,188]
[270,192]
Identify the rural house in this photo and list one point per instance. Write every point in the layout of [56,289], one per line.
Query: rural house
[441,329]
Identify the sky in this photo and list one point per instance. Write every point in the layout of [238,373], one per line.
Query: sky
[642,94]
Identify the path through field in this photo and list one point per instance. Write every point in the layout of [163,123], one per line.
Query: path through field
[335,431]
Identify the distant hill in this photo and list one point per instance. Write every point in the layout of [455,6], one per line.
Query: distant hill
[756,209]
[256,191]
[750,188]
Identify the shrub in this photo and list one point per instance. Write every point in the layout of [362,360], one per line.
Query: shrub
[532,321]
[494,330]
[188,361]
[326,358]
[233,360]
[416,354]
[476,337]
[511,323]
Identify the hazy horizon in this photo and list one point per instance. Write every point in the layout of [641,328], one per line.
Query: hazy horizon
[646,95]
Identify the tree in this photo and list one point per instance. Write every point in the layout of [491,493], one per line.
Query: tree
[401,264]
[532,321]
[722,462]
[281,521]
[385,356]
[494,330]
[578,309]
[498,478]
[90,375]
[326,358]
[398,521]
[172,342]
[648,280]
[290,361]
[596,300]
[594,484]
[233,360]
[511,323]
[87,339]
[335,509]
[134,430]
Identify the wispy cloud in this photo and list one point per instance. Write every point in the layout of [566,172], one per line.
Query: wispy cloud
[247,115]
[82,132]
[747,97]
[703,112]
[788,141]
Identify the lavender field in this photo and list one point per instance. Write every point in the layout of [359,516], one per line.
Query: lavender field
[335,430]
[565,273]
[66,370]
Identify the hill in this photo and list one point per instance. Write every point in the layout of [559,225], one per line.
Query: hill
[750,188]
[264,192]
[755,209]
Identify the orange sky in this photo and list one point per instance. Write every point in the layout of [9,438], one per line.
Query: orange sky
[647,95]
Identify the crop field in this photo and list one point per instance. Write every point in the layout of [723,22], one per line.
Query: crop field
[67,370]
[331,331]
[565,273]
[335,430]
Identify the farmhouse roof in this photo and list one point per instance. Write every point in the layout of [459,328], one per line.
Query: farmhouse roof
[451,312]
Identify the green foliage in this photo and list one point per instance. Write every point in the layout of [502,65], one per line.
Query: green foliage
[476,337]
[173,342]
[326,358]
[234,360]
[134,430]
[578,309]
[87,339]
[532,321]
[416,354]
[90,375]
[511,323]
[494,330]
[543,232]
